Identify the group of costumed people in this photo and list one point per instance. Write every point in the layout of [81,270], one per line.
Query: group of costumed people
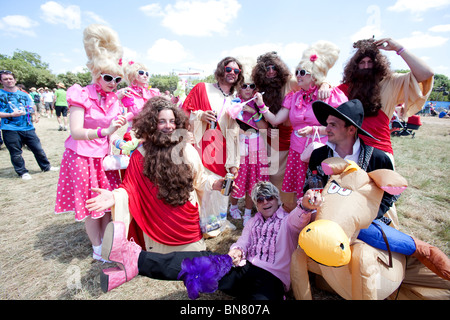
[251,127]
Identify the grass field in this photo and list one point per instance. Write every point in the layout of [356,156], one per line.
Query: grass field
[48,256]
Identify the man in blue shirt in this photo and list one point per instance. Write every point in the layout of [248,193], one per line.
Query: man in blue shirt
[16,108]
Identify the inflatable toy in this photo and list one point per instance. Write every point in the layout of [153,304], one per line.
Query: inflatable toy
[353,268]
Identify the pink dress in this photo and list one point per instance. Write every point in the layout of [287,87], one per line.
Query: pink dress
[254,165]
[301,115]
[81,164]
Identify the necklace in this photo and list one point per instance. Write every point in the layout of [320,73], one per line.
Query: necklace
[225,95]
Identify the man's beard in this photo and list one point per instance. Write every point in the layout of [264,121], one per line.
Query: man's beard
[365,87]
[164,140]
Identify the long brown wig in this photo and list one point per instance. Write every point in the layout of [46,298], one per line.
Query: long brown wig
[174,181]
[273,88]
[365,84]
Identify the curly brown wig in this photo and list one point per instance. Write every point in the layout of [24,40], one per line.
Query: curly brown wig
[174,181]
[365,84]
[272,88]
[220,72]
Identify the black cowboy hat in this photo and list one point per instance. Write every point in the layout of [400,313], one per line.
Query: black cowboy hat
[351,111]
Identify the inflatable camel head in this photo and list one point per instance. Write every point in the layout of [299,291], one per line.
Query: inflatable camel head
[352,198]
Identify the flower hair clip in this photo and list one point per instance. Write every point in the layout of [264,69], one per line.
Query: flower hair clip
[313,57]
[120,62]
[130,62]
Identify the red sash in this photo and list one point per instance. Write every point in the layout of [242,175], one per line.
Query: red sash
[163,223]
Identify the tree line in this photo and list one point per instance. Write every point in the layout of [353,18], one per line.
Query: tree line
[31,71]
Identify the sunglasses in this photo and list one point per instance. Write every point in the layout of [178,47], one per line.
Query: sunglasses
[229,69]
[261,199]
[109,78]
[268,68]
[142,72]
[5,71]
[251,86]
[301,73]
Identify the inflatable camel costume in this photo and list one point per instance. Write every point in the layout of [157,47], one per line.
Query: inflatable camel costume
[397,267]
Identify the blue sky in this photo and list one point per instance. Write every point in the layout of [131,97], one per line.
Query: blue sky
[193,35]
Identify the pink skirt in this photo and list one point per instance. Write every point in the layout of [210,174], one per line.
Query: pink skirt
[78,174]
[294,176]
[253,168]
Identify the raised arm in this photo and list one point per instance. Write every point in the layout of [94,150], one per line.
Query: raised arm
[419,69]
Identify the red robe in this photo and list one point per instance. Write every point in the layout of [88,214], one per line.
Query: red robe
[213,143]
[163,223]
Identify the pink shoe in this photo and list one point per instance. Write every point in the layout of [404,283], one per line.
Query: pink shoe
[117,248]
[111,278]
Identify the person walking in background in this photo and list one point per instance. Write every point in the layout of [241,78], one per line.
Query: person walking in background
[95,114]
[16,109]
[47,101]
[61,106]
[36,97]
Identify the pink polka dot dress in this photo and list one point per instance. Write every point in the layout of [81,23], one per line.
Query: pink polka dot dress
[81,165]
[77,177]
[253,167]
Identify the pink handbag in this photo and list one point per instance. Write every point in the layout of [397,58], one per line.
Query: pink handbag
[314,144]
[115,161]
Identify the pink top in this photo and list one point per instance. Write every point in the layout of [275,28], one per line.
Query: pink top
[135,104]
[301,113]
[269,243]
[96,114]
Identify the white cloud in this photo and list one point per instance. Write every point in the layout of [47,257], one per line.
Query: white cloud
[95,17]
[366,32]
[55,13]
[440,28]
[16,24]
[152,10]
[196,18]
[130,55]
[167,51]
[418,6]
[419,39]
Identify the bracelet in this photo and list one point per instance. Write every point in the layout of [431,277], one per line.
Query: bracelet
[261,106]
[259,118]
[118,142]
[87,134]
[99,133]
[300,205]
[399,52]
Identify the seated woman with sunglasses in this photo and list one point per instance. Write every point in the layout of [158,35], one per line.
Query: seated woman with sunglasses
[311,72]
[95,114]
[261,255]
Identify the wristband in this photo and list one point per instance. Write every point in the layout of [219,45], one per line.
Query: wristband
[118,142]
[265,110]
[399,52]
[99,133]
[262,106]
[259,118]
